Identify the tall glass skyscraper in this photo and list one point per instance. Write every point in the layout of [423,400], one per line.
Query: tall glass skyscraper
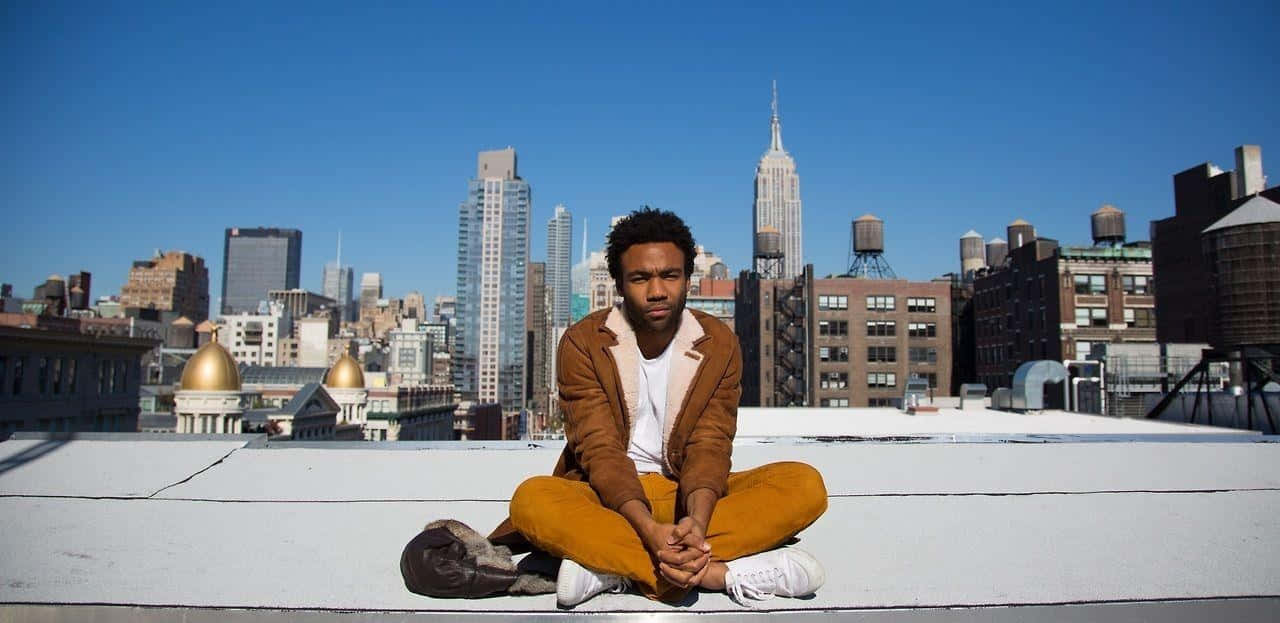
[337,286]
[255,261]
[338,280]
[559,258]
[493,250]
[777,203]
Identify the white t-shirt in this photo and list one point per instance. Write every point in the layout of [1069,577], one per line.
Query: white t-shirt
[646,442]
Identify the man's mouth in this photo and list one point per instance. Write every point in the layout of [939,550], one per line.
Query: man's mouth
[658,313]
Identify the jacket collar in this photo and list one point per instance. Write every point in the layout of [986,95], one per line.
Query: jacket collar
[686,362]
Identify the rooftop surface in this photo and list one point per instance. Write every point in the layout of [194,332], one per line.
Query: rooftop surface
[958,516]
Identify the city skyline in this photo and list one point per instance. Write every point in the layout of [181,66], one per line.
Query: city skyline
[988,122]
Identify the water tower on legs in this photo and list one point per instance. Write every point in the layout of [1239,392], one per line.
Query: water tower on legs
[769,253]
[866,250]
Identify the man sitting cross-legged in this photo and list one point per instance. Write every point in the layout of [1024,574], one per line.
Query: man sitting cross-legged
[642,493]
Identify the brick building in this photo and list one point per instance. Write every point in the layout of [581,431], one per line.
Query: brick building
[175,282]
[841,342]
[1052,302]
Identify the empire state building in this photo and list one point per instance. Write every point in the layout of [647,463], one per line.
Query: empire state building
[777,204]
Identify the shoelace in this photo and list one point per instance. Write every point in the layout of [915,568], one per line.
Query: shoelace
[743,588]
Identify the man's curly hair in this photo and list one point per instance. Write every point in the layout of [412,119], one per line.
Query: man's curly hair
[649,225]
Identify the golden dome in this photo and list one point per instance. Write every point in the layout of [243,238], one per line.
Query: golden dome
[211,369]
[345,374]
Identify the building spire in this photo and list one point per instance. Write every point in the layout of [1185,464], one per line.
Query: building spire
[775,125]
[339,261]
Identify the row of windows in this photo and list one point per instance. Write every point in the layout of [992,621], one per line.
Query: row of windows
[57,375]
[833,327]
[886,354]
[922,355]
[833,301]
[882,328]
[882,379]
[881,303]
[1091,316]
[927,305]
[1082,284]
[1091,284]
[875,380]
[1097,284]
[878,328]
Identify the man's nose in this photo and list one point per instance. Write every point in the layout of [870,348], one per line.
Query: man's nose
[654,291]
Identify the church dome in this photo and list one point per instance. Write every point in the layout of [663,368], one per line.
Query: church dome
[211,369]
[345,374]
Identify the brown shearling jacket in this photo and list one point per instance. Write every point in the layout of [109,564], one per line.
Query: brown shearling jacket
[597,373]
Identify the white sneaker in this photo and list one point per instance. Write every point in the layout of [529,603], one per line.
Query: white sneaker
[786,571]
[576,583]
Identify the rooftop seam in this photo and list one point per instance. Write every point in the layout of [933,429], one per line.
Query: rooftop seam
[507,500]
[672,609]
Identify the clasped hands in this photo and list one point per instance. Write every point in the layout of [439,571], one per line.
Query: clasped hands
[682,550]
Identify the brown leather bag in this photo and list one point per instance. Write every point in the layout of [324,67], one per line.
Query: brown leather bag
[449,559]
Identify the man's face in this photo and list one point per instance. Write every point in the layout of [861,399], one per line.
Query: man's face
[653,285]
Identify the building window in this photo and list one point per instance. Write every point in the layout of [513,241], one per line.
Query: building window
[833,353]
[1140,317]
[931,377]
[57,375]
[882,380]
[886,354]
[835,380]
[834,402]
[880,303]
[1091,316]
[926,305]
[42,375]
[881,328]
[880,401]
[1083,348]
[922,329]
[922,355]
[832,301]
[1091,284]
[1137,284]
[833,327]
[4,369]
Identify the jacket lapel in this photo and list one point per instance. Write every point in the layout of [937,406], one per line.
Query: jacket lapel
[686,363]
[626,355]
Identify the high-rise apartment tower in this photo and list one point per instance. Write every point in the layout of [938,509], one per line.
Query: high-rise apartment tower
[559,258]
[493,250]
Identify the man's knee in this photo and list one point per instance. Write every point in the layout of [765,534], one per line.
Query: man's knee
[530,498]
[806,485]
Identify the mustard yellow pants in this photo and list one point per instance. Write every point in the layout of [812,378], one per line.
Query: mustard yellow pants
[763,508]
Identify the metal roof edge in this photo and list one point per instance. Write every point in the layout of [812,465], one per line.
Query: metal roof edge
[1232,608]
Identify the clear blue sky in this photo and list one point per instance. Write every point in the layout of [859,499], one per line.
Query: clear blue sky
[130,126]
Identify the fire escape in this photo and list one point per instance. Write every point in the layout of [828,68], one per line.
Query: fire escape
[789,346]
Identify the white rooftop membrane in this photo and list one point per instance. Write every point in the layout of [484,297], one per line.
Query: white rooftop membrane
[848,469]
[103,468]
[1069,510]
[878,552]
[871,422]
